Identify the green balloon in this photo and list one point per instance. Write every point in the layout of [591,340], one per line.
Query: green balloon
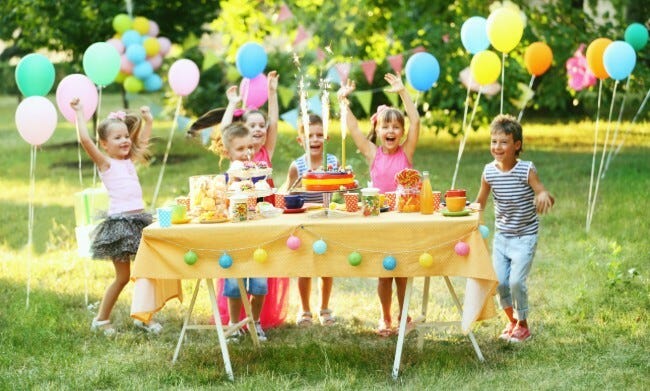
[122,22]
[101,63]
[35,75]
[636,35]
[133,85]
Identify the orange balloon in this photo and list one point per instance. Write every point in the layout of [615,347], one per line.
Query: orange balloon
[538,58]
[595,52]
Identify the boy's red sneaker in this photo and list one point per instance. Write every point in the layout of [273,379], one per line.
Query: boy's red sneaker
[507,331]
[520,334]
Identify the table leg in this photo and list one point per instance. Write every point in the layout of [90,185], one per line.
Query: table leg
[402,327]
[217,322]
[249,312]
[186,321]
[460,309]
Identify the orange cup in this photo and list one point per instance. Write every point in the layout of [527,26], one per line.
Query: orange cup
[391,197]
[279,201]
[437,197]
[251,202]
[351,202]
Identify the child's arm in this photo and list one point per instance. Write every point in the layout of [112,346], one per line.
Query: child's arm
[292,177]
[483,193]
[543,199]
[272,129]
[145,134]
[100,160]
[233,101]
[366,147]
[411,112]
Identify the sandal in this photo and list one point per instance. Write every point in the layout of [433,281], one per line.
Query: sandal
[384,329]
[151,327]
[305,319]
[103,325]
[326,318]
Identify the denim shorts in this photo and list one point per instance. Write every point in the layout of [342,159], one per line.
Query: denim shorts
[254,286]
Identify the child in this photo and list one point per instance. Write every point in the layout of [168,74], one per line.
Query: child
[385,161]
[519,196]
[296,170]
[124,137]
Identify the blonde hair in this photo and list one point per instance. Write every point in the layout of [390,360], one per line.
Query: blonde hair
[384,115]
[221,139]
[139,148]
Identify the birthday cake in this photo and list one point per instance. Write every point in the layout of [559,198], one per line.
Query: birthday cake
[247,169]
[328,180]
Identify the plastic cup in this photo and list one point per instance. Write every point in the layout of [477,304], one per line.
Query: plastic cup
[390,199]
[279,201]
[351,202]
[437,197]
[164,217]
[185,201]
[251,202]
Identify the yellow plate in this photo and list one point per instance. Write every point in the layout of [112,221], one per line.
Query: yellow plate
[213,221]
[184,221]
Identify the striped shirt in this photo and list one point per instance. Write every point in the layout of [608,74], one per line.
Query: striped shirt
[301,165]
[514,200]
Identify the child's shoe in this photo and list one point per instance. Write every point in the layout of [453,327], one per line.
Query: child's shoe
[326,318]
[235,336]
[520,334]
[260,333]
[507,331]
[104,326]
[152,327]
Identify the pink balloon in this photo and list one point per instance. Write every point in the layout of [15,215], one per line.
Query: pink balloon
[165,45]
[76,86]
[255,90]
[153,29]
[293,242]
[126,66]
[36,119]
[461,248]
[183,77]
[155,61]
[117,44]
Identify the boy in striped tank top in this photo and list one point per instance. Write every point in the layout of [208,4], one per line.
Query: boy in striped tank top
[518,196]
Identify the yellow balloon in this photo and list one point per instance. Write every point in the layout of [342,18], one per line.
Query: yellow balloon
[260,255]
[151,46]
[426,260]
[504,29]
[133,85]
[141,24]
[485,67]
[120,77]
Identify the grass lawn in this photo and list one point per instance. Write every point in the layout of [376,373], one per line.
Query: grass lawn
[589,293]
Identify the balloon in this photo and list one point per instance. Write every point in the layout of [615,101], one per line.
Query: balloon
[133,85]
[389,262]
[36,119]
[619,60]
[141,24]
[154,30]
[136,53]
[256,91]
[122,22]
[151,46]
[422,71]
[120,77]
[183,77]
[293,242]
[126,66]
[595,52]
[225,260]
[143,70]
[117,44]
[76,86]
[462,249]
[165,45]
[485,67]
[425,260]
[504,29]
[636,35]
[538,58]
[190,257]
[473,34]
[34,75]
[101,63]
[260,255]
[251,59]
[484,230]
[131,37]
[153,83]
[354,259]
[155,61]
[319,247]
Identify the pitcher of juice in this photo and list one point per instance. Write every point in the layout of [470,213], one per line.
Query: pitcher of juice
[426,195]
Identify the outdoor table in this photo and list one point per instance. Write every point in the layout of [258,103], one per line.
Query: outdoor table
[159,264]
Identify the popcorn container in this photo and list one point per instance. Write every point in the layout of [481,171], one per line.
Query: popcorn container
[351,202]
[370,201]
[408,199]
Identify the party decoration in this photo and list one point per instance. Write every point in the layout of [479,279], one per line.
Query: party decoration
[504,29]
[485,67]
[425,260]
[36,119]
[293,242]
[190,257]
[251,59]
[255,91]
[473,34]
[484,230]
[580,77]
[76,86]
[538,58]
[133,85]
[225,260]
[595,52]
[183,77]
[389,262]
[101,63]
[636,35]
[619,60]
[462,249]
[121,23]
[422,71]
[319,247]
[260,255]
[34,75]
[354,258]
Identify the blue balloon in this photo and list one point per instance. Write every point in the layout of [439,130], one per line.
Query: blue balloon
[389,262]
[225,260]
[619,59]
[153,83]
[136,54]
[422,71]
[143,70]
[484,230]
[251,60]
[473,34]
[131,37]
[319,247]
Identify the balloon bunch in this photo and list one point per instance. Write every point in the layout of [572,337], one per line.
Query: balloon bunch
[250,61]
[141,52]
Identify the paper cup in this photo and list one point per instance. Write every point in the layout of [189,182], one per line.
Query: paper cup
[251,202]
[185,201]
[164,217]
[437,197]
[279,201]
[390,199]
[351,202]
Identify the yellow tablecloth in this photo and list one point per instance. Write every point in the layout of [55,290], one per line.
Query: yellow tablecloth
[159,263]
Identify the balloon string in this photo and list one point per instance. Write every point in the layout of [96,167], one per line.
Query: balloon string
[466,105]
[461,148]
[97,113]
[503,79]
[244,95]
[618,125]
[593,159]
[526,100]
[645,100]
[81,181]
[602,158]
[129,7]
[30,219]
[169,147]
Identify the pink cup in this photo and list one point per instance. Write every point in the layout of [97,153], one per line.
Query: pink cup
[437,197]
[390,199]
[351,202]
[279,201]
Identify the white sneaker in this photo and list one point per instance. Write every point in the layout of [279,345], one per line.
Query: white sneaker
[104,326]
[260,333]
[151,327]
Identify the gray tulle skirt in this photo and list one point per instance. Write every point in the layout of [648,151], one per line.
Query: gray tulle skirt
[118,236]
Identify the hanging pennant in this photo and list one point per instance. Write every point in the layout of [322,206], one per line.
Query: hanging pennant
[301,35]
[344,71]
[369,68]
[284,14]
[392,97]
[285,94]
[209,59]
[396,62]
[365,99]
[291,117]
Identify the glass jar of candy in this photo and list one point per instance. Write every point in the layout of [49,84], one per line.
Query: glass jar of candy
[408,199]
[370,201]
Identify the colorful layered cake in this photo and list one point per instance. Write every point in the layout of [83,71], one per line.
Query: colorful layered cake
[328,180]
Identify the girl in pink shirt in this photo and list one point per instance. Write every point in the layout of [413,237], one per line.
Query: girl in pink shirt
[386,160]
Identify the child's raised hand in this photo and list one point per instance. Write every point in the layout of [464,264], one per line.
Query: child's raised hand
[543,202]
[76,105]
[232,95]
[346,89]
[145,112]
[396,84]
[272,78]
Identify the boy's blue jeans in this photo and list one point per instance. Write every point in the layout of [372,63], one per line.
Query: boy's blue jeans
[512,258]
[254,286]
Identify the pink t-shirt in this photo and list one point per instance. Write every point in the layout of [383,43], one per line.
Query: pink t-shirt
[262,156]
[123,186]
[384,168]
